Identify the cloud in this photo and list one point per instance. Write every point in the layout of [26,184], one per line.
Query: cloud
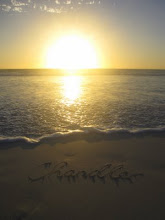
[49,6]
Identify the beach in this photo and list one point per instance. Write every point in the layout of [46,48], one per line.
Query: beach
[82,110]
[75,147]
[134,191]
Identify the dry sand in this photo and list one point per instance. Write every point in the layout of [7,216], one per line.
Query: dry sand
[30,188]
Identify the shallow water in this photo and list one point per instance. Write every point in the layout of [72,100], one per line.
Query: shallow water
[39,104]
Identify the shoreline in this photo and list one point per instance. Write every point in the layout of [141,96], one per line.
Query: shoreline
[88,134]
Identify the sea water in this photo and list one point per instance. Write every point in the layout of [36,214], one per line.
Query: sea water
[36,105]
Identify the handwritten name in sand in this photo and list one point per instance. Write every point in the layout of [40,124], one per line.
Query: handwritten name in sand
[113,172]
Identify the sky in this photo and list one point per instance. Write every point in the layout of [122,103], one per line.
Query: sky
[126,33]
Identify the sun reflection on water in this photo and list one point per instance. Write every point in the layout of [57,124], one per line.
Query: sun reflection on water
[71,89]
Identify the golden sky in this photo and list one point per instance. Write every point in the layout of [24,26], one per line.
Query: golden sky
[123,35]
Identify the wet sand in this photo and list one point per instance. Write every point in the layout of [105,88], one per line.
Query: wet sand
[122,179]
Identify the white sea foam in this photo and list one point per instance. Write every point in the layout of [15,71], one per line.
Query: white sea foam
[88,134]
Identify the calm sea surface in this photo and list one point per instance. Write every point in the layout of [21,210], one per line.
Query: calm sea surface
[40,104]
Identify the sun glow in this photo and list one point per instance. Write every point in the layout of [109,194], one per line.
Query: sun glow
[71,52]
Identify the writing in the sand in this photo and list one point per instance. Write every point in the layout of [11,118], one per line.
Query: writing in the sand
[61,171]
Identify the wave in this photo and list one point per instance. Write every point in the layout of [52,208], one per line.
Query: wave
[89,134]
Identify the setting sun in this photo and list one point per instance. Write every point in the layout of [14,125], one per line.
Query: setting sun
[71,52]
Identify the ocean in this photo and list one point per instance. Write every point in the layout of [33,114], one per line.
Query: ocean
[45,105]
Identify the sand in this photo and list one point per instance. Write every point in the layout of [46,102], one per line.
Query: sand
[132,186]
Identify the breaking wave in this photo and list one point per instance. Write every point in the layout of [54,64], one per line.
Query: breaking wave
[88,134]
